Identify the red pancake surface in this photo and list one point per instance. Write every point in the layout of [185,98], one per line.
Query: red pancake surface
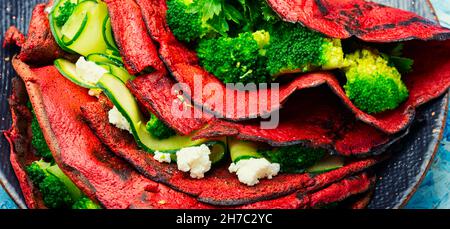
[314,117]
[105,177]
[209,189]
[19,139]
[423,83]
[39,47]
[366,20]
[132,38]
[80,154]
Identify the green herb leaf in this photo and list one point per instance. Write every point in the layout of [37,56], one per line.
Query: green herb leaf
[403,64]
[397,50]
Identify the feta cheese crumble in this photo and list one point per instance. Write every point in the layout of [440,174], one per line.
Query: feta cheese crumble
[116,118]
[48,9]
[95,92]
[162,157]
[249,171]
[89,71]
[194,159]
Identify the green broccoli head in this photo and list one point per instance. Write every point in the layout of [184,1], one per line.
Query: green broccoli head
[186,24]
[38,141]
[236,60]
[65,11]
[85,203]
[293,159]
[57,190]
[332,54]
[159,129]
[295,48]
[37,171]
[54,193]
[372,84]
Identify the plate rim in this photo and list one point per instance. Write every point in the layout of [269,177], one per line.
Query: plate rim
[435,148]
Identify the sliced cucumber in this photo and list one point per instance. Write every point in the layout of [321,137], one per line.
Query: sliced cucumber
[108,35]
[218,150]
[76,23]
[241,150]
[105,66]
[90,39]
[120,73]
[105,58]
[122,98]
[115,53]
[55,29]
[327,164]
[68,69]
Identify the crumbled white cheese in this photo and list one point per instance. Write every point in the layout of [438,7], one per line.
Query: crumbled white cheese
[48,9]
[89,71]
[249,171]
[194,159]
[116,118]
[162,157]
[95,92]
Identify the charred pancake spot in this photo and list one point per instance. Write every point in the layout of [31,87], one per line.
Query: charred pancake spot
[357,11]
[415,20]
[385,26]
[353,17]
[322,7]
[117,167]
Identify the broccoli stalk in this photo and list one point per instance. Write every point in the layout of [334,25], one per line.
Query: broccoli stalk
[295,48]
[65,11]
[293,159]
[372,84]
[57,190]
[159,129]
[239,59]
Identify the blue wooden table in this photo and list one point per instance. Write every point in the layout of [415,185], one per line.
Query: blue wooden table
[434,191]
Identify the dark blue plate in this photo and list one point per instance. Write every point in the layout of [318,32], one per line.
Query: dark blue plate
[398,177]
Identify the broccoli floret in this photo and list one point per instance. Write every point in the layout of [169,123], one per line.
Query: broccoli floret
[186,24]
[402,64]
[293,159]
[238,59]
[37,171]
[54,192]
[159,129]
[295,48]
[57,190]
[372,84]
[65,11]
[332,55]
[85,203]
[38,141]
